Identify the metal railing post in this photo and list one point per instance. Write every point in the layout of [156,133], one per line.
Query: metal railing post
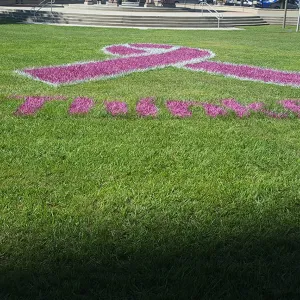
[42,4]
[211,10]
[298,21]
[285,12]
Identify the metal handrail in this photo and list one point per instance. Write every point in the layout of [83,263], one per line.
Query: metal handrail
[41,5]
[212,11]
[298,21]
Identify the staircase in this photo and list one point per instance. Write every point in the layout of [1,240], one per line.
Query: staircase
[19,16]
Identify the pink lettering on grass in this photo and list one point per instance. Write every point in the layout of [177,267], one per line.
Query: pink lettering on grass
[81,106]
[116,107]
[242,110]
[245,110]
[274,114]
[33,104]
[181,108]
[291,105]
[146,107]
[213,110]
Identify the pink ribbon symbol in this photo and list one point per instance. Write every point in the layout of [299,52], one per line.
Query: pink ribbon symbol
[143,57]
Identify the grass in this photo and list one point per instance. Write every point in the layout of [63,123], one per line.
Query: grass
[97,207]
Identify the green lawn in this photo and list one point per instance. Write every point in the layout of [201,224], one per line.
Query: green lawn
[96,207]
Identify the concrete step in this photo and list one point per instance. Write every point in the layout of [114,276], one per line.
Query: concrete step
[112,24]
[279,20]
[183,19]
[123,20]
[157,9]
[97,17]
[134,24]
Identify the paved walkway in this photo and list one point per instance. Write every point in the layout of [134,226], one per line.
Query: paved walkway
[228,11]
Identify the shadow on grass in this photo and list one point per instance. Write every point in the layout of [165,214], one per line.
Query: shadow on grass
[202,266]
